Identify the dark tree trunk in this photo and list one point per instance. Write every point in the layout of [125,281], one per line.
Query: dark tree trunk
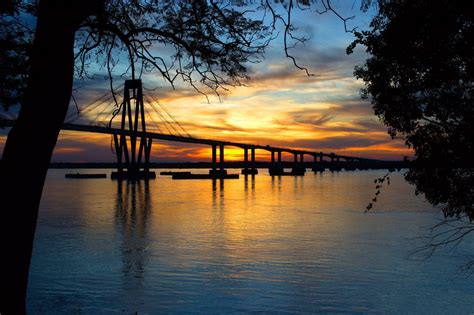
[31,141]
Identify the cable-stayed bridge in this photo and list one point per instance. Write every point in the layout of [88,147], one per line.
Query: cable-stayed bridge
[136,118]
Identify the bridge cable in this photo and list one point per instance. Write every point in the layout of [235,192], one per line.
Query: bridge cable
[69,117]
[155,123]
[168,113]
[160,116]
[163,119]
[86,109]
[98,110]
[167,121]
[108,106]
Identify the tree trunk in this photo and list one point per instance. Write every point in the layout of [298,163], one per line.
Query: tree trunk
[29,147]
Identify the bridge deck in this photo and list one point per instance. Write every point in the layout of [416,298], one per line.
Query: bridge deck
[167,137]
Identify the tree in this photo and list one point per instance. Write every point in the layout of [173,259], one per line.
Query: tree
[420,76]
[15,44]
[207,42]
[209,39]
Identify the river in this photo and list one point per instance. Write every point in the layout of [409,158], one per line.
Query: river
[262,244]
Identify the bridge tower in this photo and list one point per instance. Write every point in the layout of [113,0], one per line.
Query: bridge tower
[131,145]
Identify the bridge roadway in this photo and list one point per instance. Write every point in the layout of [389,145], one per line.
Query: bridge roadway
[167,137]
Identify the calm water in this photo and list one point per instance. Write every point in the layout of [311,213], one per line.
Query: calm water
[286,245]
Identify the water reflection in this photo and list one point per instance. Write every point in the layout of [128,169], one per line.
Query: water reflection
[298,184]
[276,181]
[133,204]
[248,178]
[257,244]
[215,182]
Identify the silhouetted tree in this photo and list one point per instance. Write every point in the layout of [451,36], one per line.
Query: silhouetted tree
[420,76]
[205,43]
[15,50]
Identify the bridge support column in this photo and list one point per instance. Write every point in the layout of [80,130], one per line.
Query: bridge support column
[298,168]
[335,166]
[317,167]
[275,168]
[147,155]
[246,162]
[214,157]
[118,152]
[252,170]
[133,123]
[221,160]
[221,172]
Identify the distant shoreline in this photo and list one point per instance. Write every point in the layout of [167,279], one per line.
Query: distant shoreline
[208,165]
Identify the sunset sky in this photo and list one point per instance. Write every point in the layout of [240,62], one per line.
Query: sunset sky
[279,106]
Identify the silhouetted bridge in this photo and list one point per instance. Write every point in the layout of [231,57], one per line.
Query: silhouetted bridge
[133,144]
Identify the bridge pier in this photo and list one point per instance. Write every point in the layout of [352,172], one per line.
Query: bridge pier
[318,167]
[252,170]
[214,158]
[221,172]
[276,168]
[298,168]
[335,165]
[133,122]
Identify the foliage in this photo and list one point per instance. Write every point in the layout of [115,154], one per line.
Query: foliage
[206,44]
[420,76]
[15,49]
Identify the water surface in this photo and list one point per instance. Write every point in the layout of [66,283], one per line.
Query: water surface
[262,244]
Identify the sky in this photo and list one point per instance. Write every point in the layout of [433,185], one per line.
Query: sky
[280,105]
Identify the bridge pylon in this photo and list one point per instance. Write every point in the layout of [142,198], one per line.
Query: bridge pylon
[131,146]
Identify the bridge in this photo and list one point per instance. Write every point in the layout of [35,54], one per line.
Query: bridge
[132,140]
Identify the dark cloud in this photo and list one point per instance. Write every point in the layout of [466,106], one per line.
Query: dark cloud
[318,119]
[353,107]
[165,93]
[222,125]
[312,118]
[340,142]
[326,63]
[329,59]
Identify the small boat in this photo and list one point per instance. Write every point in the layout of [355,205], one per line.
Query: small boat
[78,175]
[173,173]
[205,176]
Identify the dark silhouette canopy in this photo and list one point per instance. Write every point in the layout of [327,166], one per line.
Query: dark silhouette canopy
[420,76]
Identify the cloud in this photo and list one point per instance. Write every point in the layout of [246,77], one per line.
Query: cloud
[339,142]
[315,119]
[280,105]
